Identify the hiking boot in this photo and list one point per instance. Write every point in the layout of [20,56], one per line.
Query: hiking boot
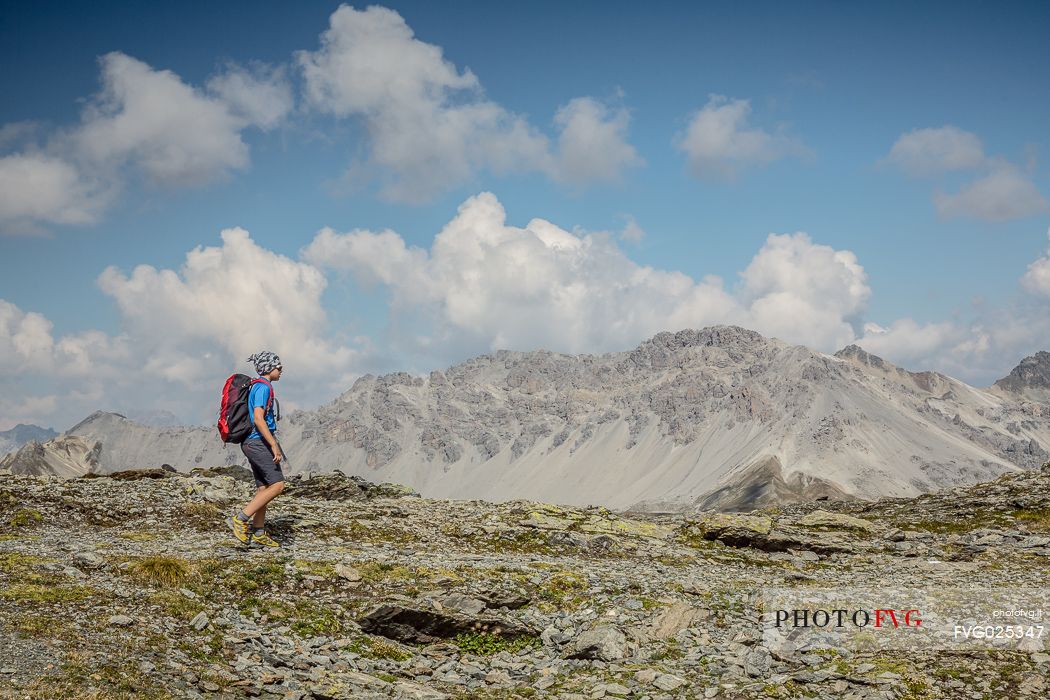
[261,538]
[240,529]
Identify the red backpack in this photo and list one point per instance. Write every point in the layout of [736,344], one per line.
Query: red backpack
[235,420]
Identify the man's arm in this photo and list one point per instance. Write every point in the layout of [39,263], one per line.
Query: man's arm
[259,416]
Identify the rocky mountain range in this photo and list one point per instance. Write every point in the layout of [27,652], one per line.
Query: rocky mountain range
[718,418]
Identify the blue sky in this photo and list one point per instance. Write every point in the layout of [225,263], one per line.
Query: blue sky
[907,142]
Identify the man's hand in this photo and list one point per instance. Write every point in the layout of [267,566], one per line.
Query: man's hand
[277,454]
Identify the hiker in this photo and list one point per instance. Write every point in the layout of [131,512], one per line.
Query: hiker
[263,452]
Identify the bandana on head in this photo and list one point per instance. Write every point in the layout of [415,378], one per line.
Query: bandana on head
[265,361]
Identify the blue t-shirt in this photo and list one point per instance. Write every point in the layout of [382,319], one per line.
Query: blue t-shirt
[259,395]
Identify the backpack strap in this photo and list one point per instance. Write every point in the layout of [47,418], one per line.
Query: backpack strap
[269,401]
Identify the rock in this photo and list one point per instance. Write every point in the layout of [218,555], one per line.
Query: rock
[236,472]
[463,604]
[546,682]
[604,643]
[199,621]
[603,544]
[390,490]
[1033,685]
[220,496]
[543,521]
[121,621]
[624,527]
[822,518]
[646,675]
[414,691]
[674,619]
[668,682]
[498,677]
[552,636]
[334,486]
[757,662]
[135,474]
[347,572]
[89,560]
[736,530]
[424,626]
[512,600]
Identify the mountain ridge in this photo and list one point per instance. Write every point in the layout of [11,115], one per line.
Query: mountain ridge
[11,440]
[683,419]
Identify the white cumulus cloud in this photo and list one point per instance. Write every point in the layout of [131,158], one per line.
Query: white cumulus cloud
[914,345]
[177,134]
[239,298]
[429,125]
[1003,194]
[805,292]
[930,151]
[261,97]
[142,119]
[37,188]
[632,231]
[980,349]
[484,284]
[720,143]
[183,332]
[1037,279]
[592,145]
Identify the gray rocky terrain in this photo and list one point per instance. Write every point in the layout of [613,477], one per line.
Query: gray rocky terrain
[718,418]
[129,586]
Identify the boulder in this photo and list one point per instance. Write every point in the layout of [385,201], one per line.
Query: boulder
[736,530]
[675,619]
[334,486]
[512,600]
[604,643]
[347,572]
[823,518]
[463,604]
[416,626]
[235,472]
[668,682]
[136,474]
[617,526]
[757,662]
[544,521]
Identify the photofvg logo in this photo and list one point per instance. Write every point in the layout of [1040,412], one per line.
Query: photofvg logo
[878,618]
[799,619]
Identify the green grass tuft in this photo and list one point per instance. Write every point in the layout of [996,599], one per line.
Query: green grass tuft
[25,517]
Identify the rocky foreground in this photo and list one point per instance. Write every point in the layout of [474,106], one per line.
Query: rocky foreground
[130,586]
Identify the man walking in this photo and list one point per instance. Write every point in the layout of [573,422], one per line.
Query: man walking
[263,452]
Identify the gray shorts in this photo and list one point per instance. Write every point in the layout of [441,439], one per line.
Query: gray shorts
[260,457]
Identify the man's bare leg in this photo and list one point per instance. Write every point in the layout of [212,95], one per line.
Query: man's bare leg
[256,508]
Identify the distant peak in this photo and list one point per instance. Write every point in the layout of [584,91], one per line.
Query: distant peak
[95,417]
[1033,372]
[709,335]
[856,352]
